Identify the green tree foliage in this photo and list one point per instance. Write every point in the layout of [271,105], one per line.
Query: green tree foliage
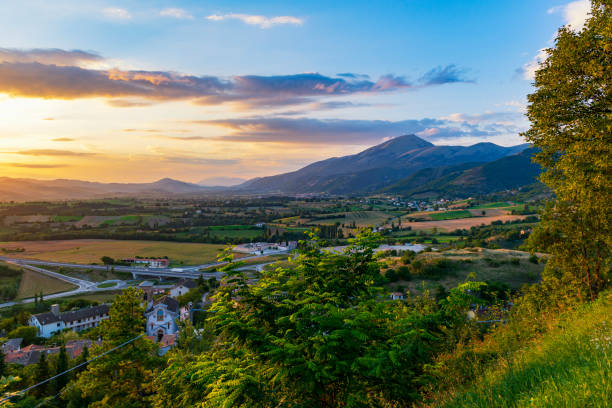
[124,377]
[42,373]
[318,334]
[571,125]
[27,333]
[61,365]
[2,363]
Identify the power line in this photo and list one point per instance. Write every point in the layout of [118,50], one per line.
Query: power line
[71,369]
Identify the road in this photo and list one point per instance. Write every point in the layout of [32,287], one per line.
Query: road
[83,286]
[184,272]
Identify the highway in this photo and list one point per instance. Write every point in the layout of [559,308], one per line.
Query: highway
[83,286]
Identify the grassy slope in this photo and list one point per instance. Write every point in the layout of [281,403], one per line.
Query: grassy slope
[32,283]
[570,366]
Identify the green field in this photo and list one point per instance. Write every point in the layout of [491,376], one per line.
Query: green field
[107,285]
[492,205]
[66,218]
[569,366]
[101,297]
[233,227]
[236,233]
[360,218]
[450,215]
[126,219]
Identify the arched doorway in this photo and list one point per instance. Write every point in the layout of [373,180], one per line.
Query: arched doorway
[160,334]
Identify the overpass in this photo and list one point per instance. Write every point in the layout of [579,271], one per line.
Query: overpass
[192,272]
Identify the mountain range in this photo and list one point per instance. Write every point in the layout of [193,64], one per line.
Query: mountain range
[14,189]
[406,165]
[408,158]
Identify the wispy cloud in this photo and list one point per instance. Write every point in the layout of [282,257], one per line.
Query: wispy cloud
[63,139]
[52,56]
[176,13]
[200,161]
[53,152]
[185,138]
[529,69]
[36,165]
[117,13]
[575,13]
[445,75]
[128,103]
[256,20]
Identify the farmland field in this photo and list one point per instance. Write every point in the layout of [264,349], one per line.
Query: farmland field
[462,223]
[91,250]
[450,215]
[33,283]
[493,205]
[360,218]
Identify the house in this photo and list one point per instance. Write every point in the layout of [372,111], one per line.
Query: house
[31,354]
[183,286]
[396,296]
[161,317]
[165,343]
[53,322]
[12,345]
[149,262]
[150,291]
[262,248]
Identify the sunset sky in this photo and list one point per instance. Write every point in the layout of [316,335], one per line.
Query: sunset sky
[137,91]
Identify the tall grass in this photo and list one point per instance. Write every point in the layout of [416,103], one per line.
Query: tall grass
[569,366]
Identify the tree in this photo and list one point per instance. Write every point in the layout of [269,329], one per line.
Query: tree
[2,363]
[27,333]
[83,357]
[312,335]
[124,377]
[60,366]
[42,373]
[571,123]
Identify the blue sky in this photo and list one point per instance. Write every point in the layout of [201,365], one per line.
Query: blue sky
[245,89]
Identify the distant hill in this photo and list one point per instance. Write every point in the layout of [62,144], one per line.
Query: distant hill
[377,167]
[12,189]
[221,181]
[507,173]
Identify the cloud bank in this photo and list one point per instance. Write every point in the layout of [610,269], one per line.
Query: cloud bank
[58,74]
[362,132]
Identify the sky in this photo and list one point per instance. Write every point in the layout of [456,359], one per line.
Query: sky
[133,91]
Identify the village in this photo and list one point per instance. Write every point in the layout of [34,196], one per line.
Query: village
[162,313]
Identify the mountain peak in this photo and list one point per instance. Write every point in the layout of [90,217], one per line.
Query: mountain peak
[404,142]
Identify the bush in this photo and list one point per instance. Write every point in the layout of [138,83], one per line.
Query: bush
[404,272]
[515,261]
[391,275]
[27,333]
[533,258]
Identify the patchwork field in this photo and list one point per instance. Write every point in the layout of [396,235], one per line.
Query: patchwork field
[462,223]
[450,215]
[91,250]
[360,218]
[33,283]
